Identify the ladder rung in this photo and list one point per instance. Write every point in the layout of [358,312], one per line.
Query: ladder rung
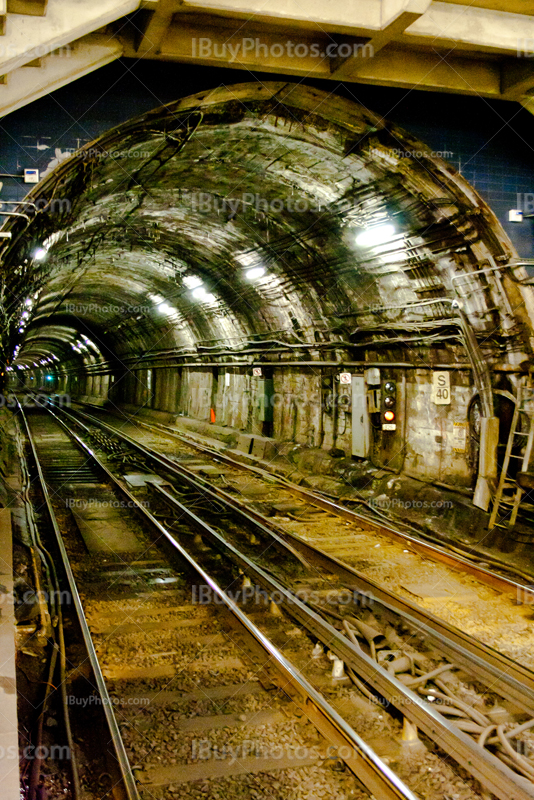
[510,494]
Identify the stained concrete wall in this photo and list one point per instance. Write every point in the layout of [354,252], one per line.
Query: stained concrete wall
[233,399]
[432,441]
[437,436]
[195,398]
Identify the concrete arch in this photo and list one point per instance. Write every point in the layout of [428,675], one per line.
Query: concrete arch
[283,178]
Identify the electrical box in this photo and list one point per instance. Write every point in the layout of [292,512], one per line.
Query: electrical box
[372,376]
[31,176]
[373,400]
[360,418]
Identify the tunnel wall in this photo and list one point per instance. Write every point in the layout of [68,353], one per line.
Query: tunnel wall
[432,442]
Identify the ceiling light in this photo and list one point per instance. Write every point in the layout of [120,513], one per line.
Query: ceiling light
[39,254]
[200,293]
[192,281]
[377,235]
[254,273]
[165,308]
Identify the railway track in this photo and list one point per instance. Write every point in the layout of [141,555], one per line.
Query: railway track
[162,664]
[452,554]
[481,698]
[456,644]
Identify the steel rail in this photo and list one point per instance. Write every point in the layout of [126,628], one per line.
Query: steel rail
[492,773]
[130,786]
[515,682]
[427,549]
[378,778]
[485,767]
[279,542]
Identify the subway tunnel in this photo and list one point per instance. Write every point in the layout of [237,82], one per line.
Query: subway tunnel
[295,286]
[227,256]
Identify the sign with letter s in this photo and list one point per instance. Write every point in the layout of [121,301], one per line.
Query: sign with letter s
[441,388]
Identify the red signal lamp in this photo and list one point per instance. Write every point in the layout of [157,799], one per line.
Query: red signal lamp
[389,416]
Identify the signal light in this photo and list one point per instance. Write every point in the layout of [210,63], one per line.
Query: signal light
[389,402]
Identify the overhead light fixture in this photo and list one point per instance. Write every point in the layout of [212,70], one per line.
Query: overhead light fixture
[39,254]
[192,281]
[165,308]
[255,273]
[200,293]
[377,235]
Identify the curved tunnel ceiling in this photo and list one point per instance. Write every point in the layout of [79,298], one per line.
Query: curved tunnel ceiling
[232,220]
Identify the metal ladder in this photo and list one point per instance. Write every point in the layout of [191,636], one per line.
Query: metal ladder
[506,506]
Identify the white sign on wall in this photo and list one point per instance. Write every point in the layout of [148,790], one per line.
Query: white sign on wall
[459,437]
[441,388]
[256,372]
[345,378]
